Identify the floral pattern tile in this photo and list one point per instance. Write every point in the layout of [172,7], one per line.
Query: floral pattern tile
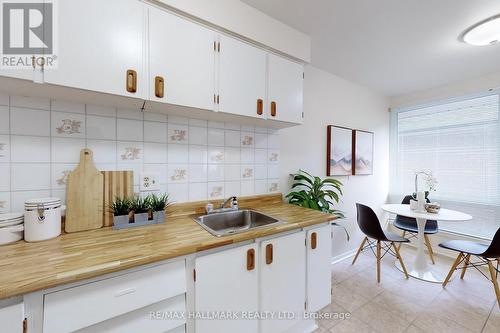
[131,154]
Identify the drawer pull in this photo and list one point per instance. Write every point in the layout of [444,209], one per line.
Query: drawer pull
[269,254]
[125,292]
[260,107]
[314,240]
[273,109]
[250,259]
[159,87]
[131,81]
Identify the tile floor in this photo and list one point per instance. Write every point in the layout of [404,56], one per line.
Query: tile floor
[400,305]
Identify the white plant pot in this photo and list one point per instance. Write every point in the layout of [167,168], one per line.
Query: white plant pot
[159,216]
[120,219]
[141,218]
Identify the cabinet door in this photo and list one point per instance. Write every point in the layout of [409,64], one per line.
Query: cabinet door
[11,318]
[242,78]
[283,280]
[181,53]
[227,281]
[99,42]
[319,249]
[285,79]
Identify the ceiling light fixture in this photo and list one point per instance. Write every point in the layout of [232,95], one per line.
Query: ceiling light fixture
[486,32]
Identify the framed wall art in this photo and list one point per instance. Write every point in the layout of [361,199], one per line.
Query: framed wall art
[339,151]
[362,152]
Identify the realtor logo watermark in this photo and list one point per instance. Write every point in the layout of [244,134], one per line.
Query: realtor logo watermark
[28,34]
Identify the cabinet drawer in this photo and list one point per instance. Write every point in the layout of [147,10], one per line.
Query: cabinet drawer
[142,320]
[75,308]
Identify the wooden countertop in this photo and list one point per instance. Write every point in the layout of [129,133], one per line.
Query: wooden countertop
[28,267]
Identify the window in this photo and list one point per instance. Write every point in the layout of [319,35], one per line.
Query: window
[459,141]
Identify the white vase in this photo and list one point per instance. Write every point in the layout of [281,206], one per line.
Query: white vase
[421,201]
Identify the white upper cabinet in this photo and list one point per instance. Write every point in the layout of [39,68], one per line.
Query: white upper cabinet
[319,272]
[101,46]
[282,280]
[242,78]
[182,59]
[285,89]
[227,281]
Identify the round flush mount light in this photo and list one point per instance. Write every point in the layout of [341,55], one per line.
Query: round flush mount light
[486,32]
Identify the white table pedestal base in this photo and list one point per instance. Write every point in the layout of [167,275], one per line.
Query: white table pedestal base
[420,269]
[426,275]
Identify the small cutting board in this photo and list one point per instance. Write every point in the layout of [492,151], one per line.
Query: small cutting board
[117,184]
[84,197]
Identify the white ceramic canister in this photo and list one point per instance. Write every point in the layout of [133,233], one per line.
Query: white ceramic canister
[42,219]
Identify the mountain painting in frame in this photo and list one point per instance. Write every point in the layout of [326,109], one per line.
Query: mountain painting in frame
[339,151]
[362,152]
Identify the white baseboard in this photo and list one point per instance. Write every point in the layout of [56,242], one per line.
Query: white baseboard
[343,256]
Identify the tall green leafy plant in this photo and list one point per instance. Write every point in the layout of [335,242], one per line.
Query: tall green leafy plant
[319,194]
[315,193]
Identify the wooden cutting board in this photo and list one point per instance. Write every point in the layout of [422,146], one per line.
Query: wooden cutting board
[84,204]
[116,184]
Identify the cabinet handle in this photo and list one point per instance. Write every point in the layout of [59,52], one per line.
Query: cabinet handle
[131,81]
[260,107]
[159,87]
[250,259]
[314,240]
[269,254]
[273,109]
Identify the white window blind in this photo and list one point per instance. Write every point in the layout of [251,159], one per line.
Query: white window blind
[459,142]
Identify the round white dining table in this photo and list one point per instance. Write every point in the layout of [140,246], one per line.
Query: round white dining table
[420,268]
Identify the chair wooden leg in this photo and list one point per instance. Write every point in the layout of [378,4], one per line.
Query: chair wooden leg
[453,267]
[378,260]
[429,248]
[404,234]
[466,264]
[359,250]
[398,255]
[493,274]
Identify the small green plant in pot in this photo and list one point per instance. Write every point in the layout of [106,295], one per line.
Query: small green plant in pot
[158,204]
[140,207]
[121,209]
[316,193]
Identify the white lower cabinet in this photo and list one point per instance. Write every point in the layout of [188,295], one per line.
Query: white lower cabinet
[319,249]
[282,281]
[11,318]
[79,307]
[227,281]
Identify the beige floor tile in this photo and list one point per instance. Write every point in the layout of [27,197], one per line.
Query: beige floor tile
[414,329]
[381,318]
[410,305]
[337,315]
[352,325]
[347,298]
[433,322]
[468,311]
[399,305]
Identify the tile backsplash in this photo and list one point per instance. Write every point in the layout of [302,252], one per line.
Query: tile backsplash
[40,142]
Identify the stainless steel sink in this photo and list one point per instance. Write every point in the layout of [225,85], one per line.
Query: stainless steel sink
[233,222]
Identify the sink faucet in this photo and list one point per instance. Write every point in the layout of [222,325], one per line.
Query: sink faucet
[234,206]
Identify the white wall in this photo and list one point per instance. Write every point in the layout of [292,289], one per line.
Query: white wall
[330,100]
[248,22]
[457,89]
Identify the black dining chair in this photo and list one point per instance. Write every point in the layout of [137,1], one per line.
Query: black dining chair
[409,225]
[370,225]
[486,255]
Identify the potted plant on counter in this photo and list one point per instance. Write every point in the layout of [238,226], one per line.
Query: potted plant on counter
[121,210]
[316,193]
[158,204]
[140,207]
